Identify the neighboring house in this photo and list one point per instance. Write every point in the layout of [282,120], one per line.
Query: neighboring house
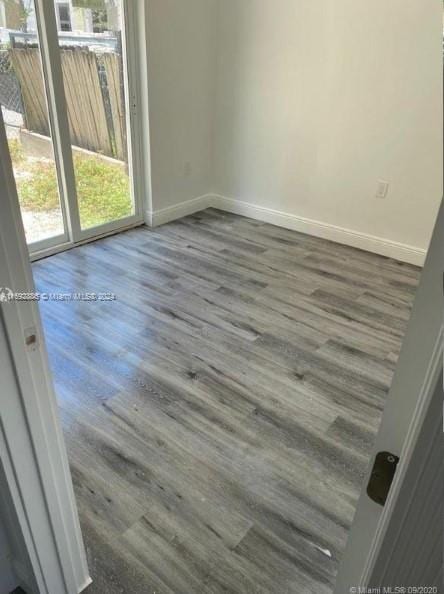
[88,16]
[83,16]
[13,14]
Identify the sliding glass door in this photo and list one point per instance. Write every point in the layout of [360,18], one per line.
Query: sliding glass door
[73,136]
[26,118]
[93,59]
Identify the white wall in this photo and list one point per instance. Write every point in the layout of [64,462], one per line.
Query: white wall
[181,98]
[316,101]
[298,108]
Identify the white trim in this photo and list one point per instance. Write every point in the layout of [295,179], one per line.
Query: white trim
[140,9]
[363,241]
[171,213]
[110,227]
[422,406]
[58,116]
[69,245]
[148,217]
[39,471]
[133,101]
[357,239]
[48,243]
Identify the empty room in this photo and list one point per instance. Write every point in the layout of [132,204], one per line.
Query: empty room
[216,220]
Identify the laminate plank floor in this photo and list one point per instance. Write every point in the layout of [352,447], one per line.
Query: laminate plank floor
[220,413]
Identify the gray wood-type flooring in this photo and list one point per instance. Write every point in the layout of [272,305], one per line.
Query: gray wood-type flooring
[219,414]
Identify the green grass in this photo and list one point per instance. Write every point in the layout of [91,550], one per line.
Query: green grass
[16,151]
[103,191]
[102,188]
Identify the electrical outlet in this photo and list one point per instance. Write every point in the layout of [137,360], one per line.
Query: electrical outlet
[382,189]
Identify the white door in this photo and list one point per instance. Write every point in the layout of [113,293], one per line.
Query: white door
[410,407]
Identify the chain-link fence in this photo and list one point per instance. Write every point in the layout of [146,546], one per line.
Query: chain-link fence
[10,94]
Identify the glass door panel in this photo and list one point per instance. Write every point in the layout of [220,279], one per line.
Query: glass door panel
[94,74]
[25,114]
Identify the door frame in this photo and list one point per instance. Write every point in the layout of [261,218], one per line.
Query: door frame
[56,102]
[419,368]
[32,448]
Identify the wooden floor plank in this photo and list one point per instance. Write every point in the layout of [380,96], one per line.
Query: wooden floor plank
[220,413]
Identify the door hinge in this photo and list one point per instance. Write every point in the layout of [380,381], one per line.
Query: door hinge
[381,477]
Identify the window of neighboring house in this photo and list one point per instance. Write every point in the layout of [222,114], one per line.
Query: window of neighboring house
[2,14]
[99,21]
[64,16]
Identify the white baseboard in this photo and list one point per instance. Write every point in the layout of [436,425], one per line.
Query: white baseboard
[171,213]
[363,241]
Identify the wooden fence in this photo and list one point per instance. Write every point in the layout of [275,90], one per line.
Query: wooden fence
[94,98]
